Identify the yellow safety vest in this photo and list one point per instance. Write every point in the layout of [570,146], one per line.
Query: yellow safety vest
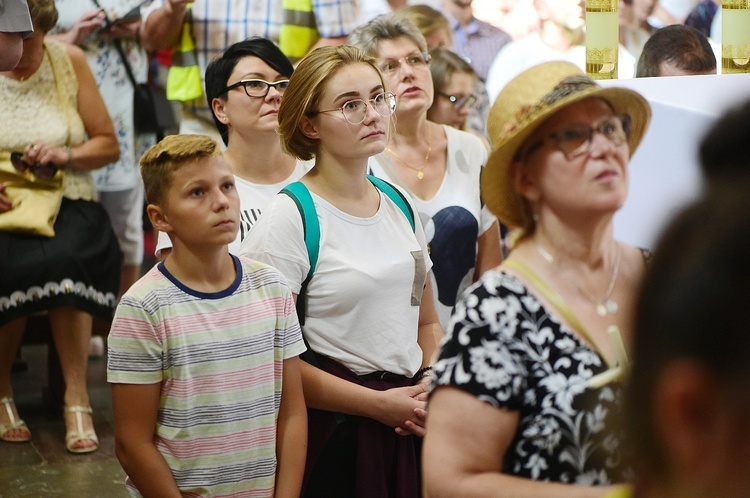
[299,31]
[184,76]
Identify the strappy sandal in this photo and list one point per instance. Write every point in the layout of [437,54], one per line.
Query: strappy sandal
[13,424]
[78,435]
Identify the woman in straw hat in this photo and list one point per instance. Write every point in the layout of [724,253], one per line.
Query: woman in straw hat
[528,379]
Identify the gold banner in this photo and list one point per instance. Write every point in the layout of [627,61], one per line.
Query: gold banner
[602,45]
[735,39]
[735,4]
[602,6]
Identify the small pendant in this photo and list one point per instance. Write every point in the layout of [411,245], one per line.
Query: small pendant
[601,310]
[611,306]
[420,174]
[608,307]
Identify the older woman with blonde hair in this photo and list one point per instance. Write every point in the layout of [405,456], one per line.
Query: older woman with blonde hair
[528,378]
[53,118]
[437,164]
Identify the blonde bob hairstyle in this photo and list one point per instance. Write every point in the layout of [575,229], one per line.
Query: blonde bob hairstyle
[306,87]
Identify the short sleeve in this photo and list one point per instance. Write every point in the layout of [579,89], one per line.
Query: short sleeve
[277,239]
[486,219]
[135,346]
[482,353]
[149,7]
[289,334]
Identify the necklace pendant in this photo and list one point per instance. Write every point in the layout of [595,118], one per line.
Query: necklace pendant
[611,306]
[420,175]
[607,307]
[601,310]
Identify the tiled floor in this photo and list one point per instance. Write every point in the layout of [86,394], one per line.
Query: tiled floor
[43,468]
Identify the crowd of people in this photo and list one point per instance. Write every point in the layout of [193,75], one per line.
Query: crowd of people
[386,260]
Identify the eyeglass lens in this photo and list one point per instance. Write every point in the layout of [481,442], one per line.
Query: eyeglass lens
[391,66]
[576,140]
[355,111]
[41,170]
[460,102]
[260,88]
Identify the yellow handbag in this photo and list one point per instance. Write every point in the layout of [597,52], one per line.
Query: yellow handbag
[36,200]
[36,196]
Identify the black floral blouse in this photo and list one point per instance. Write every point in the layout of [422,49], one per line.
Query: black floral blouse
[504,347]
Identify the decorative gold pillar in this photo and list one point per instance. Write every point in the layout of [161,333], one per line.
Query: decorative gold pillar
[602,39]
[735,36]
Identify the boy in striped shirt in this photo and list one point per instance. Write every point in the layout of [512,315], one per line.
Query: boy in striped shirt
[201,346]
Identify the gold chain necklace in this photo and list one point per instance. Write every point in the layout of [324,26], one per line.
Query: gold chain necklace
[420,171]
[604,306]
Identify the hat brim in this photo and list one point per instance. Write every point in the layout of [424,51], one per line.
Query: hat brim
[498,190]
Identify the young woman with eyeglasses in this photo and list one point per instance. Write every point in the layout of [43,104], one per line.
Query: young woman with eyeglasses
[245,87]
[438,165]
[368,315]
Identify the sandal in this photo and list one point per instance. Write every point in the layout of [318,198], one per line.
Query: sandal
[13,425]
[78,435]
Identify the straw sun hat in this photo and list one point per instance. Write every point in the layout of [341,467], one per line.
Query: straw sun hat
[523,105]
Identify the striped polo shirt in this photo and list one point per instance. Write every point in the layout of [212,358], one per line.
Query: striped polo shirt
[218,358]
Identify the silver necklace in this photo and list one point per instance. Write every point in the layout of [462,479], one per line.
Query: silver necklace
[604,306]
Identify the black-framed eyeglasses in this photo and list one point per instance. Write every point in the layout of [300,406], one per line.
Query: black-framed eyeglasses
[576,140]
[45,171]
[390,67]
[355,111]
[259,88]
[460,102]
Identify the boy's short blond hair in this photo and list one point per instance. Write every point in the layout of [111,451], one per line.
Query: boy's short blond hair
[160,162]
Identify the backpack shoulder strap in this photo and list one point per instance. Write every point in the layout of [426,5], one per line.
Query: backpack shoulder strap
[396,196]
[299,193]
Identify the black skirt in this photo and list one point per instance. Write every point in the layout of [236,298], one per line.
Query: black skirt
[79,267]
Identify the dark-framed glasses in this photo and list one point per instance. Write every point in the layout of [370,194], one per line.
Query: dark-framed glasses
[355,111]
[416,61]
[259,88]
[45,171]
[576,140]
[460,101]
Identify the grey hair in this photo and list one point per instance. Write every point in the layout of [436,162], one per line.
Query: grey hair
[368,36]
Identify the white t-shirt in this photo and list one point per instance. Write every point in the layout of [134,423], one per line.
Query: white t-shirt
[519,55]
[253,198]
[363,299]
[453,219]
